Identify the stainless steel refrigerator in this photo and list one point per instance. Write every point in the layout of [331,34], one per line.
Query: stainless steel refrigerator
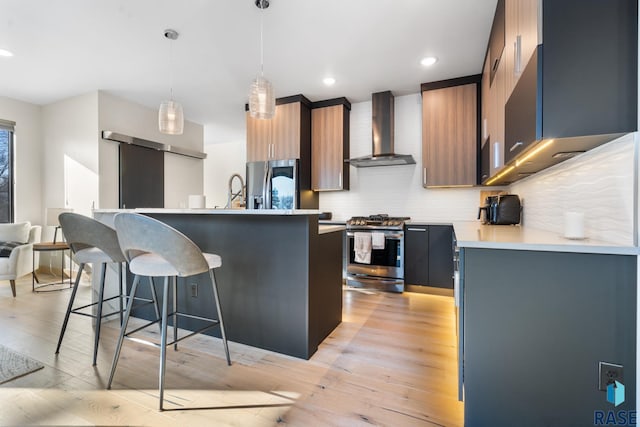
[273,184]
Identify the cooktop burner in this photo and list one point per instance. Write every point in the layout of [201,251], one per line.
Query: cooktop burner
[377,221]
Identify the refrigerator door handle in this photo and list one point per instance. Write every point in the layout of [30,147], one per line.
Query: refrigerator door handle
[266,189]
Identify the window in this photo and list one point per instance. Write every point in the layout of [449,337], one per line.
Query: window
[6,171]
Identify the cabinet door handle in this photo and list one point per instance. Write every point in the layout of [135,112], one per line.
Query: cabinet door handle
[496,155]
[516,145]
[495,64]
[424,176]
[340,180]
[517,64]
[417,229]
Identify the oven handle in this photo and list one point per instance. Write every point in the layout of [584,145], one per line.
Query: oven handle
[375,281]
[387,235]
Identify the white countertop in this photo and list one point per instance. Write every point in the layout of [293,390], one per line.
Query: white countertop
[472,234]
[208,211]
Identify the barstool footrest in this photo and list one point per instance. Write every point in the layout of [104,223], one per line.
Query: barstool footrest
[213,324]
[77,309]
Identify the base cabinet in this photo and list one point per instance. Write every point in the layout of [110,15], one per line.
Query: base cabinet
[428,256]
[536,324]
[416,255]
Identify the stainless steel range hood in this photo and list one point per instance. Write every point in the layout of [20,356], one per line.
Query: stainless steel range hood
[382,136]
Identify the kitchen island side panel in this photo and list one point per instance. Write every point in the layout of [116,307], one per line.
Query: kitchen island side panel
[536,324]
[264,281]
[325,285]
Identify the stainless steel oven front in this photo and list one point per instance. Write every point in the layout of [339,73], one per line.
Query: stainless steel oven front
[386,269]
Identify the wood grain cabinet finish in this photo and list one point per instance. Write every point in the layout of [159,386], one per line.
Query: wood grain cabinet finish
[521,38]
[330,147]
[278,138]
[286,136]
[450,132]
[285,133]
[497,101]
[258,139]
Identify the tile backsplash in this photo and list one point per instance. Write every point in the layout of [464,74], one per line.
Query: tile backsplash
[598,183]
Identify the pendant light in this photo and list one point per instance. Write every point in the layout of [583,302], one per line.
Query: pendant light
[170,116]
[262,98]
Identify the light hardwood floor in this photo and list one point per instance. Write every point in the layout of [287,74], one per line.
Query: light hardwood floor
[392,362]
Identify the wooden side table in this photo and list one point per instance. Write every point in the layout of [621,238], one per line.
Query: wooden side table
[50,247]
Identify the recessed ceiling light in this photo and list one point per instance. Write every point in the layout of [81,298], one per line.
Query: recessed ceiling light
[328,81]
[429,61]
[4,52]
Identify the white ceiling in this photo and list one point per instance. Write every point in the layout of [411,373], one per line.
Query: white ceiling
[70,47]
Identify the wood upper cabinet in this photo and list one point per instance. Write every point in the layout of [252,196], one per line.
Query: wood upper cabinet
[497,38]
[285,132]
[497,100]
[277,138]
[450,132]
[330,146]
[258,139]
[521,38]
[485,87]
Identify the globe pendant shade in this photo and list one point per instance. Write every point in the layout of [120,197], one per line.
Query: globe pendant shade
[262,99]
[171,118]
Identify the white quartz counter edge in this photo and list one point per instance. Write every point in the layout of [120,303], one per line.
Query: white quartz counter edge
[322,229]
[215,211]
[471,234]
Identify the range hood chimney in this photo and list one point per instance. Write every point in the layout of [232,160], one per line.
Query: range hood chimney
[382,136]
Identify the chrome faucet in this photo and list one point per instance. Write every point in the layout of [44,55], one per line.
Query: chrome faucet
[231,196]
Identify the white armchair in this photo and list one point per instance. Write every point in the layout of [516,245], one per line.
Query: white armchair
[20,261]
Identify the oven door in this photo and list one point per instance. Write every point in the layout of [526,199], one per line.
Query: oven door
[387,262]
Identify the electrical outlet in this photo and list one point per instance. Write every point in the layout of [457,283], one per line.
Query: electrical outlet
[194,290]
[608,373]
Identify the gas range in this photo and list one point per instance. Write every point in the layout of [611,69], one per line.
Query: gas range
[373,222]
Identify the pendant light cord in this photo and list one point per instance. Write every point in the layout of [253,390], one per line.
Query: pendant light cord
[261,38]
[171,66]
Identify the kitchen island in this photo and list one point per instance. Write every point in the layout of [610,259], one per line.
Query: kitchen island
[280,282]
[538,312]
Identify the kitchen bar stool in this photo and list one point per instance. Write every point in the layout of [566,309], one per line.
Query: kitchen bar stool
[91,242]
[154,249]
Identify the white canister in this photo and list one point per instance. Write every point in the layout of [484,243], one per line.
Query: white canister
[197,201]
[574,225]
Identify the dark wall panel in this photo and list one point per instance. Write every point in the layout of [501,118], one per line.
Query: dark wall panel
[141,177]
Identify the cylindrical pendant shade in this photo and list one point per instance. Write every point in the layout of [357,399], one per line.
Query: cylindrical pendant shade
[262,99]
[171,118]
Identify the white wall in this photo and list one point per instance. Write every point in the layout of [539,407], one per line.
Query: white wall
[223,160]
[28,158]
[396,190]
[183,176]
[70,148]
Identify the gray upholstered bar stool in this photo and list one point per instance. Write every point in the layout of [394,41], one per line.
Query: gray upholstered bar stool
[155,249]
[91,242]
